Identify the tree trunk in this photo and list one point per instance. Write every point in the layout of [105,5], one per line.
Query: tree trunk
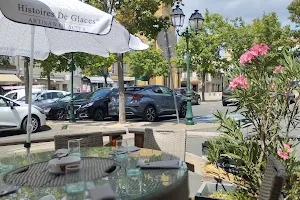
[105,81]
[122,115]
[203,86]
[26,78]
[48,81]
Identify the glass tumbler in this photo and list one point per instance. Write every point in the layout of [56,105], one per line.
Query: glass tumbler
[75,184]
[133,164]
[74,147]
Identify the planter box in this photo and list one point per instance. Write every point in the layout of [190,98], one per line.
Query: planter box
[208,188]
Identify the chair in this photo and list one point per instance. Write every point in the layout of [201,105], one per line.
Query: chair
[273,180]
[171,142]
[174,143]
[88,140]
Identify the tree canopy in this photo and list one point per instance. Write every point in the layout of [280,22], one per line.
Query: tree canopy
[148,63]
[294,9]
[205,46]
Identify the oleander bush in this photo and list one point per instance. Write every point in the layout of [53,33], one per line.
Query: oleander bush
[269,101]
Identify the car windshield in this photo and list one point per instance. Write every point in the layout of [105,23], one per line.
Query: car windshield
[66,98]
[33,96]
[99,94]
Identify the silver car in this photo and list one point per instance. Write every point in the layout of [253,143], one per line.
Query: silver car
[148,102]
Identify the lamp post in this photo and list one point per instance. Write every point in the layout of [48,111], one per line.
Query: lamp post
[195,24]
[72,115]
[222,79]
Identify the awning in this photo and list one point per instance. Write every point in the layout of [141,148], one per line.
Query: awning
[100,80]
[8,79]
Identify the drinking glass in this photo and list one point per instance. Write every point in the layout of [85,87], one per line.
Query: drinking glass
[74,147]
[133,164]
[75,184]
[134,184]
[121,157]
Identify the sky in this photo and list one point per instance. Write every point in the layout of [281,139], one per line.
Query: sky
[247,9]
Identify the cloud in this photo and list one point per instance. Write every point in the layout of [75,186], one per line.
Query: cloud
[247,9]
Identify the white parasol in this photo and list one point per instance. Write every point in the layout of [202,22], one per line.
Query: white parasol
[34,28]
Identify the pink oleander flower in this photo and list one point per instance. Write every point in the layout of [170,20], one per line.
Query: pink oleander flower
[282,154]
[278,69]
[272,85]
[212,110]
[287,145]
[238,81]
[290,150]
[246,57]
[263,49]
[255,51]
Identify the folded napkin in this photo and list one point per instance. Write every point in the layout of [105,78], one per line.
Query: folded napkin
[167,164]
[124,150]
[60,153]
[105,192]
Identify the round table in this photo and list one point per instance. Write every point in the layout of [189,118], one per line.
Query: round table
[148,184]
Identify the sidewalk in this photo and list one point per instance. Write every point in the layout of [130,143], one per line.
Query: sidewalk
[109,125]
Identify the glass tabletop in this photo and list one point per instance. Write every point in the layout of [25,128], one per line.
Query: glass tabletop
[149,182]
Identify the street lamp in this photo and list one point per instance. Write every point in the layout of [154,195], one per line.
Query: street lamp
[222,78]
[195,23]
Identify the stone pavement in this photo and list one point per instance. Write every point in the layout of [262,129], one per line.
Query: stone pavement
[196,134]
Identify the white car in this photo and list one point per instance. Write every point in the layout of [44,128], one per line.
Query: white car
[13,116]
[44,97]
[17,94]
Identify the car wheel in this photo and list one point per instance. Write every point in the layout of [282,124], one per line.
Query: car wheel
[199,101]
[183,110]
[99,115]
[150,114]
[35,124]
[224,103]
[61,115]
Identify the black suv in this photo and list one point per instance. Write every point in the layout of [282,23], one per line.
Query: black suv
[95,106]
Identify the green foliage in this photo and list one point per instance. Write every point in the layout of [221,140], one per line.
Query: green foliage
[294,9]
[147,63]
[205,47]
[240,37]
[4,60]
[138,16]
[265,105]
[97,65]
[238,194]
[62,63]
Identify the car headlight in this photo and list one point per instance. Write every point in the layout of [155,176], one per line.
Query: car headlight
[47,110]
[88,105]
[39,109]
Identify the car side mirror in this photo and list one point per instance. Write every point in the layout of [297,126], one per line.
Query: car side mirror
[11,104]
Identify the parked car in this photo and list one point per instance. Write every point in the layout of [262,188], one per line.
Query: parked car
[18,94]
[148,102]
[95,106]
[44,96]
[227,98]
[14,116]
[196,98]
[58,110]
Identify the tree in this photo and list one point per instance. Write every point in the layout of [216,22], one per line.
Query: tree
[98,66]
[4,60]
[147,63]
[294,9]
[240,37]
[138,16]
[205,48]
[62,63]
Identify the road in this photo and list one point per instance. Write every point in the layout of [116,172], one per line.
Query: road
[198,110]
